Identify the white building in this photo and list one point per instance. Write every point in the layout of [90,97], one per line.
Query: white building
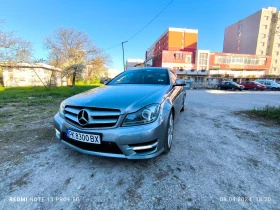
[34,74]
[132,63]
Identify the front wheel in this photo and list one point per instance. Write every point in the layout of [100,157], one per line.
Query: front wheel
[183,106]
[255,88]
[233,89]
[169,134]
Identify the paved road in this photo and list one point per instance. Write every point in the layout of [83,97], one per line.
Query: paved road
[220,159]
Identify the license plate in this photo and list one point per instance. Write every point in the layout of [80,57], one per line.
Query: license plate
[83,137]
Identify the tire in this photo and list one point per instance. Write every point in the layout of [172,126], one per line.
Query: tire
[233,89]
[273,89]
[255,88]
[169,134]
[183,106]
[219,88]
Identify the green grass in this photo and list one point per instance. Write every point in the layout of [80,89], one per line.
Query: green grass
[38,95]
[268,112]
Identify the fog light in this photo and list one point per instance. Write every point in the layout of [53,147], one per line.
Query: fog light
[57,133]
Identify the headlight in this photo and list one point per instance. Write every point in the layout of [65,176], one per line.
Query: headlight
[61,109]
[145,115]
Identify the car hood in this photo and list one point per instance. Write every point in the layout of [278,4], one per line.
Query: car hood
[126,98]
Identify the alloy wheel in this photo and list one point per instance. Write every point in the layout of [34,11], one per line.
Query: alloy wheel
[170,131]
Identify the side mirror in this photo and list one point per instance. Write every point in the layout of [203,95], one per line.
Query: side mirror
[180,82]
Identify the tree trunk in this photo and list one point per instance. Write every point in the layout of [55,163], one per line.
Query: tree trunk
[74,78]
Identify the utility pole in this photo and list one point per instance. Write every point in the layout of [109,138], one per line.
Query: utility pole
[123,55]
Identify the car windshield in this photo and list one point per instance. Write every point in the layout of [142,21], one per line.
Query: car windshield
[233,83]
[257,83]
[142,76]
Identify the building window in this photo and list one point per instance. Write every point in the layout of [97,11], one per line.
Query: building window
[188,59]
[262,44]
[178,55]
[276,53]
[278,45]
[240,26]
[240,60]
[265,18]
[264,26]
[263,35]
[275,61]
[261,52]
[203,60]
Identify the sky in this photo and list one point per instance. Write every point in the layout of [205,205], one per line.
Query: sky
[110,22]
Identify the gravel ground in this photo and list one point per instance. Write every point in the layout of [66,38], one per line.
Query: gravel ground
[220,159]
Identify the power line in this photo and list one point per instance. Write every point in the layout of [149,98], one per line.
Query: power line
[150,21]
[113,47]
[138,32]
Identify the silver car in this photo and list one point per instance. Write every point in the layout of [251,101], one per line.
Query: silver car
[132,116]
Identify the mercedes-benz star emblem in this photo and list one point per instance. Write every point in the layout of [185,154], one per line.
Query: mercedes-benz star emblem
[83,117]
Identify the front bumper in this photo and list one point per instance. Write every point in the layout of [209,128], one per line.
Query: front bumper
[134,142]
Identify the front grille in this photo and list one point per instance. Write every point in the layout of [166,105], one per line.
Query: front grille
[97,117]
[105,147]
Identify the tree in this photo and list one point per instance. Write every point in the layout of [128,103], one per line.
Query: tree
[96,69]
[70,49]
[14,49]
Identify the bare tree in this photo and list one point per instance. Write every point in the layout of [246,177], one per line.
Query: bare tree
[70,49]
[14,49]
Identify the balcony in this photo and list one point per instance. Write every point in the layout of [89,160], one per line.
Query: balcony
[181,72]
[198,72]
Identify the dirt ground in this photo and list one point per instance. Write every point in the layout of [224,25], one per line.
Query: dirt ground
[220,159]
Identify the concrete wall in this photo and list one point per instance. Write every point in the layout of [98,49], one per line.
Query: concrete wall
[31,75]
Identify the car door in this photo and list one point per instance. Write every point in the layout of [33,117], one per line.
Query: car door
[250,85]
[267,84]
[227,85]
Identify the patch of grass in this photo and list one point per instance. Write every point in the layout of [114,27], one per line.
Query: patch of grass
[39,95]
[268,112]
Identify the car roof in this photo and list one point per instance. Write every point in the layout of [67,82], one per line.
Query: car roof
[146,68]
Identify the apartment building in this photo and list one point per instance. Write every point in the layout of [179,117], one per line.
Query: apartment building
[257,34]
[176,49]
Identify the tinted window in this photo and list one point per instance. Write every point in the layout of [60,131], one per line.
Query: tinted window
[142,76]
